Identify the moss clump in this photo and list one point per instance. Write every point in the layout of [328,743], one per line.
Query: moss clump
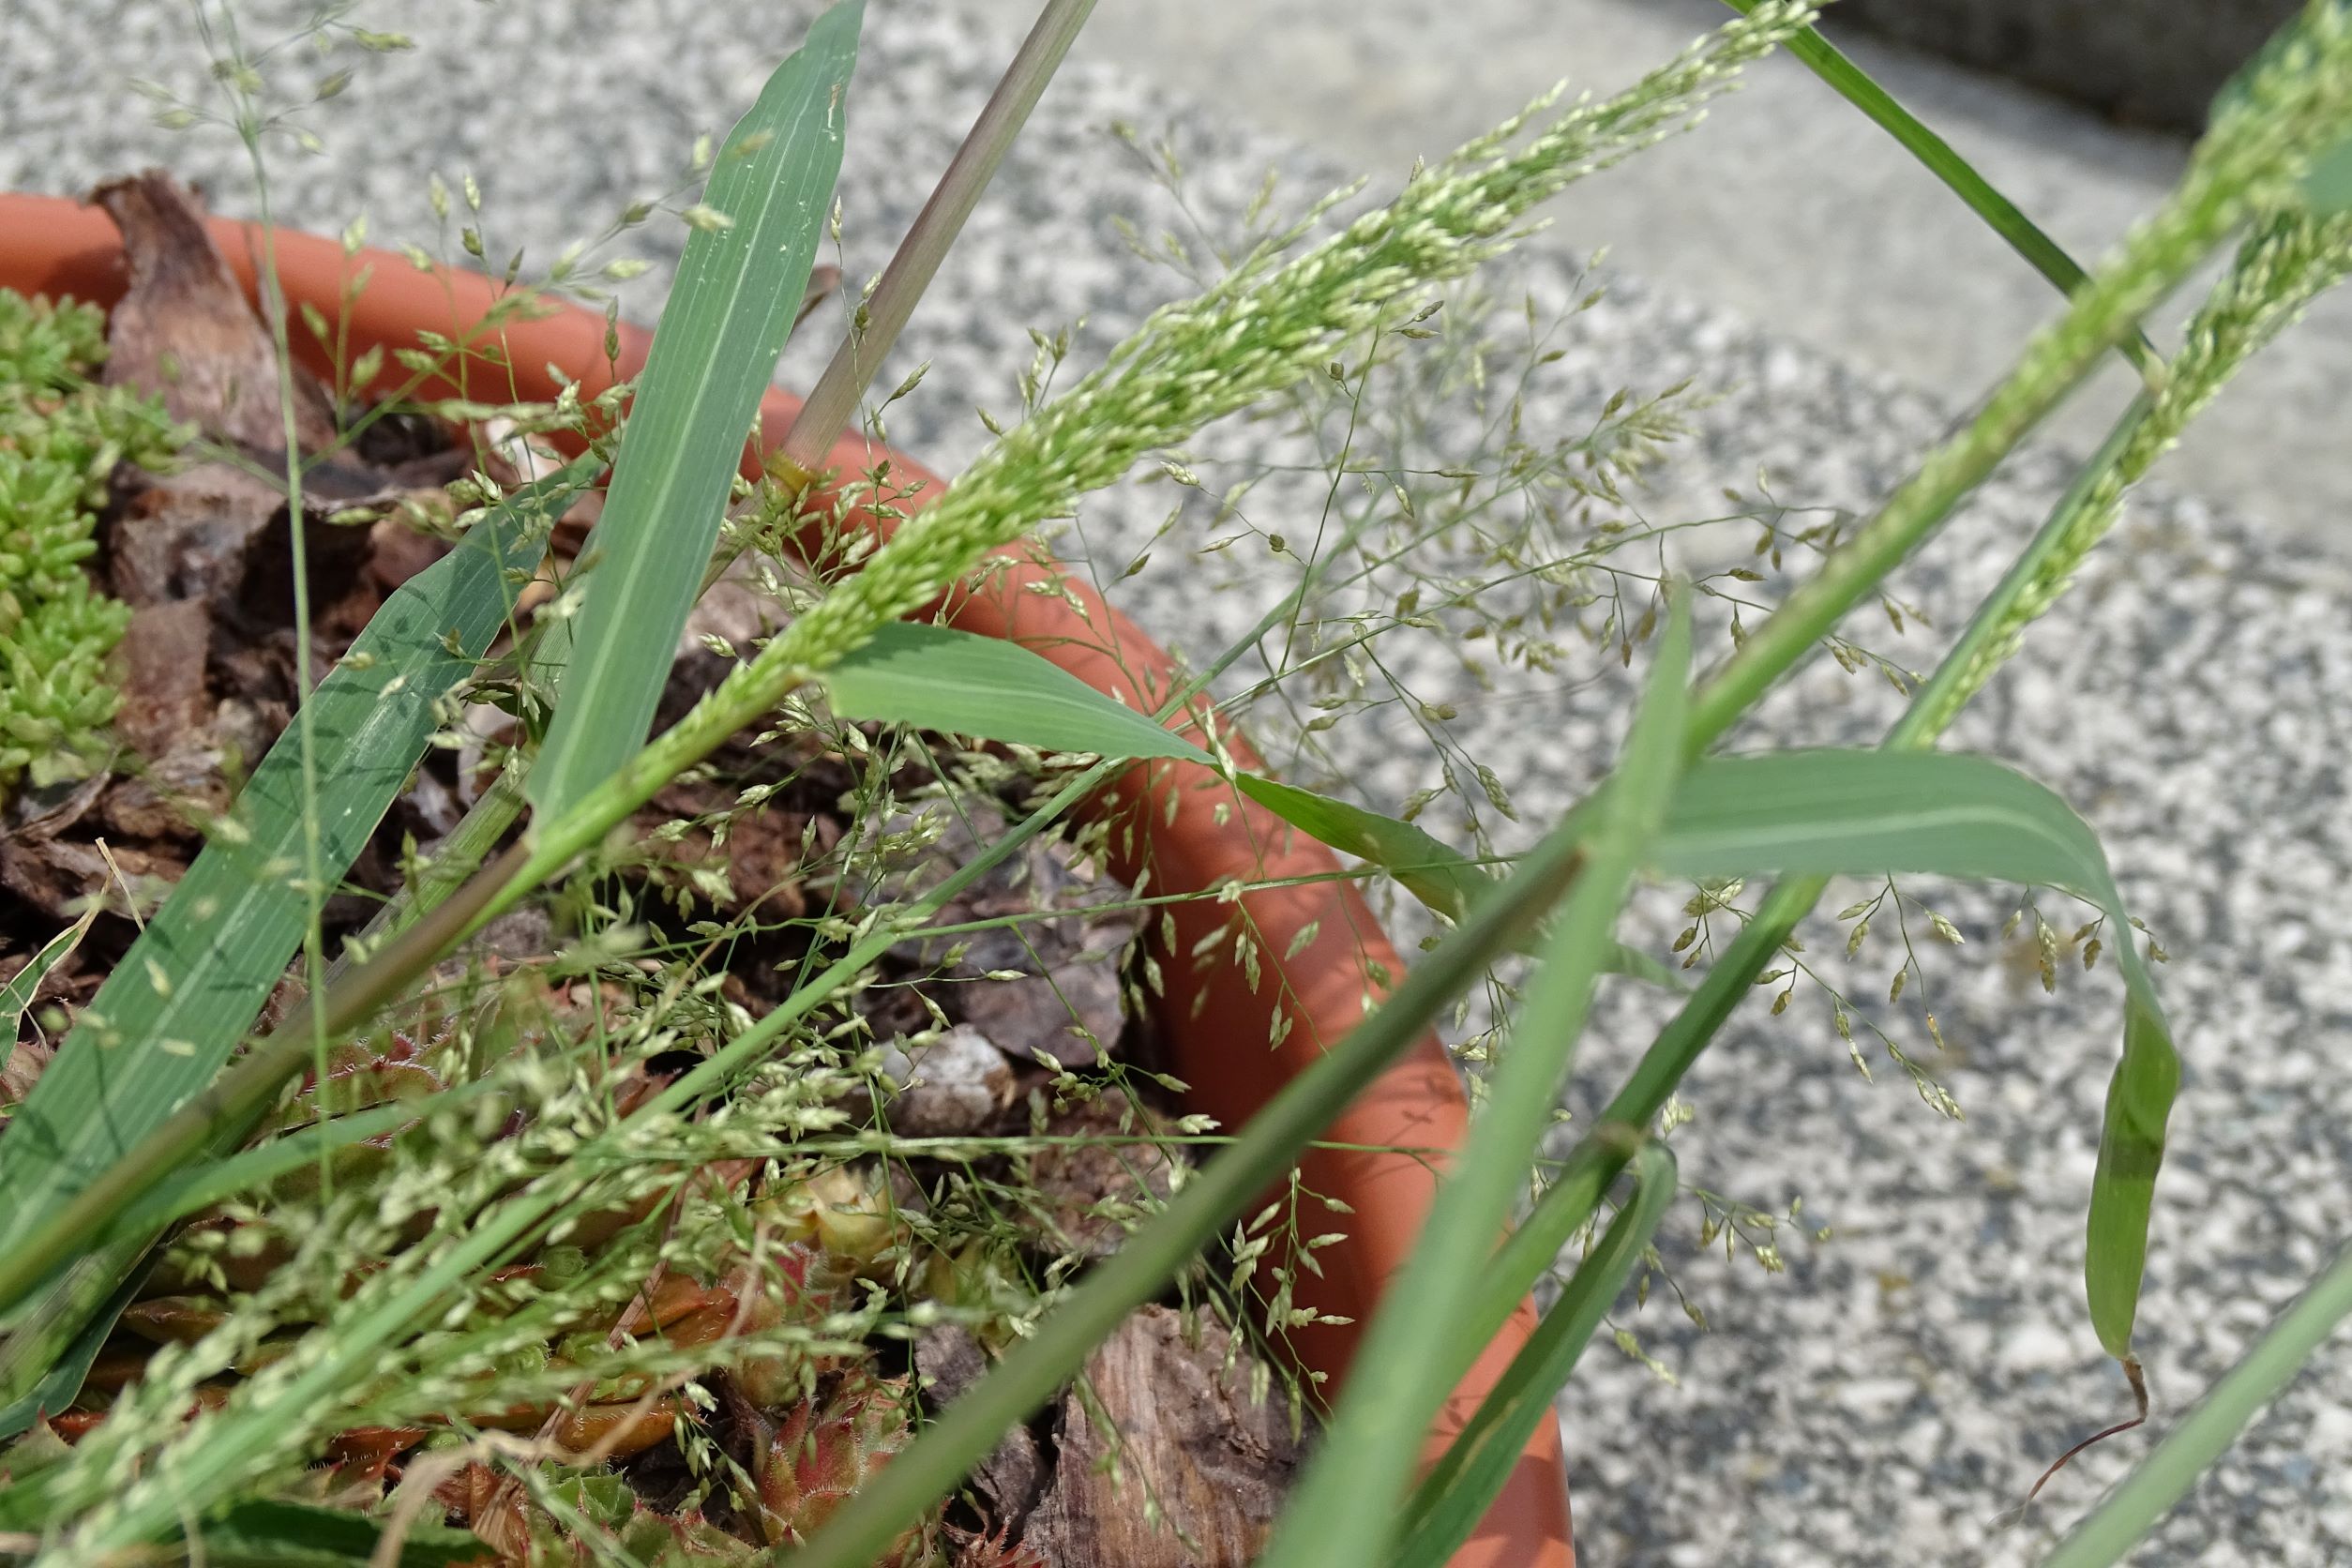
[60,437]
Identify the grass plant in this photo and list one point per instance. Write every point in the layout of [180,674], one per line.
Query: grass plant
[394,1298]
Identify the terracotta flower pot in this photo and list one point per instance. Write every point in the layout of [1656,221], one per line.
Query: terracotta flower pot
[57,246]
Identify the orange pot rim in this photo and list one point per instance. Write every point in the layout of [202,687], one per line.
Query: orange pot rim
[1192,830]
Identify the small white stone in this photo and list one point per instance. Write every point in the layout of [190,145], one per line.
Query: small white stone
[2330,1432]
[950,1086]
[1875,1398]
[2033,1347]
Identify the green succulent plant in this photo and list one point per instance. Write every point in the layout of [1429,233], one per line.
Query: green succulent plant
[61,435]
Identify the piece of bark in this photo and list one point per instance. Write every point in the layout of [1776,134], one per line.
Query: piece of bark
[172,798]
[163,655]
[45,813]
[184,331]
[948,1360]
[1184,1435]
[189,537]
[55,875]
[24,1063]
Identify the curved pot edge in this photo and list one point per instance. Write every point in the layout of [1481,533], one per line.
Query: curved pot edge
[55,246]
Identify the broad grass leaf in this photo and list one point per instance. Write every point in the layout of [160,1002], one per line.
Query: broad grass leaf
[58,1386]
[201,1186]
[1424,865]
[960,684]
[963,683]
[16,995]
[1349,1505]
[1821,813]
[738,290]
[2327,185]
[175,1007]
[261,1532]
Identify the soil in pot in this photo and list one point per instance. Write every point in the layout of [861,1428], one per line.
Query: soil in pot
[1017,1044]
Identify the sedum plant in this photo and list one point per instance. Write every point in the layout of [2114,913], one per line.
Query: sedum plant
[390,1306]
[60,438]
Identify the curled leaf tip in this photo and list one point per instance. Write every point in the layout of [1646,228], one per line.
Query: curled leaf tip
[2132,1373]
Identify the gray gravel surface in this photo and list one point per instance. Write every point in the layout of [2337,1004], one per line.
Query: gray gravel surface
[1896,1389]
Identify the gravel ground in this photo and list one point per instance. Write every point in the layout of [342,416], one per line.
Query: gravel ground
[1898,1387]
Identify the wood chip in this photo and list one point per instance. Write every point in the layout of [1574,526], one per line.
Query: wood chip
[184,331]
[55,876]
[949,1360]
[1159,1427]
[188,535]
[163,658]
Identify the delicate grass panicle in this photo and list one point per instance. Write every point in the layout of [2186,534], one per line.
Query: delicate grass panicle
[1266,325]
[483,1346]
[1258,330]
[2289,260]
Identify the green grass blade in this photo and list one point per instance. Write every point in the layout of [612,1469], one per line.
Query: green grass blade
[2223,330]
[2172,1468]
[1440,876]
[833,401]
[1820,813]
[739,287]
[1346,1508]
[57,1386]
[16,995]
[963,684]
[938,678]
[1424,865]
[173,1010]
[2300,102]
[1456,1494]
[175,1007]
[1730,980]
[2131,1151]
[260,1532]
[2327,189]
[1936,155]
[457,857]
[201,1186]
[1833,811]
